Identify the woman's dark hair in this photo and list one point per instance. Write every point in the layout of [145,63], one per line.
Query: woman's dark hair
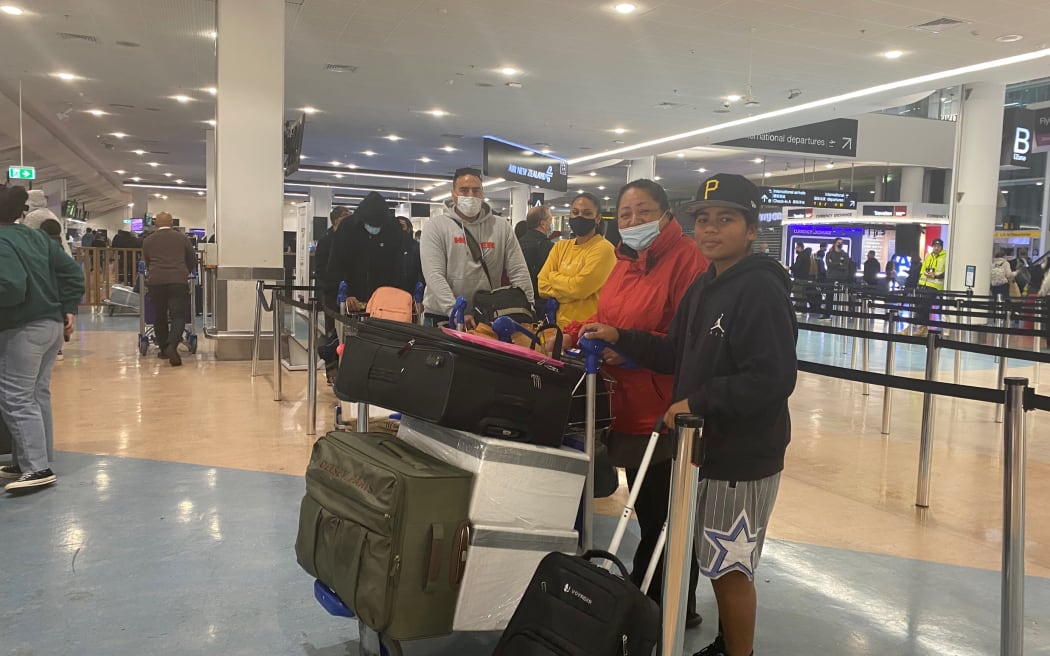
[655,191]
[12,203]
[591,197]
[52,227]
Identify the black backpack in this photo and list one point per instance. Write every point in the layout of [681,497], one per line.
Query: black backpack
[503,302]
[575,608]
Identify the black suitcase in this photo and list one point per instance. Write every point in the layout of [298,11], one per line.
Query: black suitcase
[442,377]
[575,608]
[5,438]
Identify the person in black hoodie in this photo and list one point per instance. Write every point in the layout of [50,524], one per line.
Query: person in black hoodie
[731,347]
[367,252]
[327,286]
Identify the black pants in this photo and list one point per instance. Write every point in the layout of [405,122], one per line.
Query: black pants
[651,508]
[331,302]
[924,302]
[171,307]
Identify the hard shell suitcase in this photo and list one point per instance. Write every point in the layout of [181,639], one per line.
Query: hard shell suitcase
[459,380]
[575,608]
[384,526]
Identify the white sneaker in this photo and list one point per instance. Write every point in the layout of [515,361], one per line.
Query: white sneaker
[60,357]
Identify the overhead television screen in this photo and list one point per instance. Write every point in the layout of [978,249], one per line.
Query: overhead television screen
[293,144]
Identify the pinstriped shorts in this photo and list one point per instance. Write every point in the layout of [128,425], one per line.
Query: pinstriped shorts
[731,519]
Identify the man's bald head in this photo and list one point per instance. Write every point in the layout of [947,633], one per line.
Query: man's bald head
[163,220]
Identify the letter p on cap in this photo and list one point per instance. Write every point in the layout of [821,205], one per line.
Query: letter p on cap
[712,185]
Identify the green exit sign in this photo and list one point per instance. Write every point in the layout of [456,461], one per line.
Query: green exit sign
[21,173]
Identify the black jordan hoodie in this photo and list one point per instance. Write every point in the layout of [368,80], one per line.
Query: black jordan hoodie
[731,348]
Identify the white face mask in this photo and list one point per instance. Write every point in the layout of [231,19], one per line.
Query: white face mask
[372,230]
[641,237]
[468,205]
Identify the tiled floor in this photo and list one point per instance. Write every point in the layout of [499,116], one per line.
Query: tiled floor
[172,525]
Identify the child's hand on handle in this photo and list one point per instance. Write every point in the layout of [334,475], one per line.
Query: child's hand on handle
[677,408]
[602,332]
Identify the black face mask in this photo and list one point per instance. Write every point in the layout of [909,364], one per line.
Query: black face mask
[581,227]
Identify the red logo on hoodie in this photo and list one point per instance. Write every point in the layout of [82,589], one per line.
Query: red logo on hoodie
[459,240]
[488,244]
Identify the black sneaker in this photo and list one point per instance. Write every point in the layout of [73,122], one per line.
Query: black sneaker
[693,620]
[173,356]
[162,354]
[10,471]
[32,479]
[716,648]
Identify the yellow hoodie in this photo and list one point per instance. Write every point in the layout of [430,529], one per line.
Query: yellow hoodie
[574,275]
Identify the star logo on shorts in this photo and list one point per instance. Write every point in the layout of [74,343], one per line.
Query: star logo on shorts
[734,549]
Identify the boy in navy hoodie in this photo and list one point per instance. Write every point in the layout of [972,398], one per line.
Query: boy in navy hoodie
[731,348]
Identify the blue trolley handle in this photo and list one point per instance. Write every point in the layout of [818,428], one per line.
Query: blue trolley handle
[341,297]
[417,295]
[551,312]
[457,317]
[592,349]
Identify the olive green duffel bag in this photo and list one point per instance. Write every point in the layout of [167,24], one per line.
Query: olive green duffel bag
[385,526]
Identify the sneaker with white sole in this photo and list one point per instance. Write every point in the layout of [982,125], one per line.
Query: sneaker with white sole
[10,471]
[32,479]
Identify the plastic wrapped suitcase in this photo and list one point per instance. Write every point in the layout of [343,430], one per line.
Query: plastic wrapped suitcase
[378,525]
[124,295]
[458,380]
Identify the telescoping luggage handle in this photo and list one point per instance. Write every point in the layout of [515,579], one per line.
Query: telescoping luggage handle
[632,499]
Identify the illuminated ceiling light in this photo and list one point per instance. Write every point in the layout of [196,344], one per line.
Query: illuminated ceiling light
[527,153]
[168,175]
[829,165]
[1009,38]
[118,135]
[212,122]
[766,174]
[657,178]
[509,71]
[212,90]
[179,181]
[448,149]
[425,160]
[212,35]
[156,195]
[164,198]
[758,160]
[153,164]
[200,193]
[131,204]
[351,166]
[392,137]
[681,155]
[601,188]
[546,151]
[120,172]
[893,54]
[335,162]
[139,152]
[625,8]
[96,112]
[369,153]
[11,9]
[65,76]
[593,173]
[734,97]
[566,204]
[310,110]
[701,170]
[136,179]
[438,113]
[181,98]
[338,176]
[619,130]
[606,198]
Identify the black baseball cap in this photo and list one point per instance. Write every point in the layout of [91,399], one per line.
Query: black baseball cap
[727,190]
[938,242]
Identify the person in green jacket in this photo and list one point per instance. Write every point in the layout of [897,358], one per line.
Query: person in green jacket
[40,288]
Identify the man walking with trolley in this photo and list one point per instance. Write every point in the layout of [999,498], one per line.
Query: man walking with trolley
[169,260]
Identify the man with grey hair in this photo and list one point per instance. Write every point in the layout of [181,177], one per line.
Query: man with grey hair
[169,260]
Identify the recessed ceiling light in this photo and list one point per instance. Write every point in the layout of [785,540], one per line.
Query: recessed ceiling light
[514,85]
[579,191]
[212,34]
[625,8]
[618,141]
[872,192]
[139,152]
[619,130]
[1039,184]
[425,160]
[657,178]
[131,204]
[508,71]
[829,165]
[893,54]
[351,166]
[310,110]
[601,188]
[1009,38]
[212,90]
[606,198]
[392,137]
[448,149]
[758,160]
[212,122]
[136,179]
[120,172]
[182,98]
[118,135]
[766,174]
[369,153]
[438,113]
[179,181]
[566,205]
[11,9]
[546,151]
[335,162]
[701,170]
[153,164]
[156,195]
[65,76]
[96,112]
[200,193]
[168,175]
[164,197]
[339,176]
[681,155]
[733,97]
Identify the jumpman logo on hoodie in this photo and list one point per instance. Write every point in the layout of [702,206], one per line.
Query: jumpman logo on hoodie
[716,328]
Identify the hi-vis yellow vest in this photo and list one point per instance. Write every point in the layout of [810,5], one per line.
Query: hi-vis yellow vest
[935,261]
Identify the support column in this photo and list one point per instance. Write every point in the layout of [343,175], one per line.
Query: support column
[249,177]
[978,140]
[212,195]
[321,197]
[913,179]
[140,199]
[1045,224]
[519,202]
[644,167]
[404,208]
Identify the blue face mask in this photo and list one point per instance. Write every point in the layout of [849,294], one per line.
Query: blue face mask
[641,237]
[372,230]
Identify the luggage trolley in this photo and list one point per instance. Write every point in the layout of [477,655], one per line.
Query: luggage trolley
[147,334]
[585,428]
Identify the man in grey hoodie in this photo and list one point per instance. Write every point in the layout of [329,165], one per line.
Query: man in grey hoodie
[467,249]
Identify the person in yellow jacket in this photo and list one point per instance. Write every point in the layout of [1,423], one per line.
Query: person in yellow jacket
[931,280]
[576,270]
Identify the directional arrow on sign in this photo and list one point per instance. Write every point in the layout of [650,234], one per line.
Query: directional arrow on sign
[847,143]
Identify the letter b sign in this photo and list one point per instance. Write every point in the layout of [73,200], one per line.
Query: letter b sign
[1022,144]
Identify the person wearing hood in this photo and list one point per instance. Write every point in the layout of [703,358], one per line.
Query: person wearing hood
[467,249]
[328,287]
[731,348]
[655,265]
[39,212]
[367,252]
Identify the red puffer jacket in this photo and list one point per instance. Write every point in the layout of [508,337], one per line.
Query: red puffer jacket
[643,294]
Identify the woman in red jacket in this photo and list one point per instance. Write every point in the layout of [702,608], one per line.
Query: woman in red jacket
[656,264]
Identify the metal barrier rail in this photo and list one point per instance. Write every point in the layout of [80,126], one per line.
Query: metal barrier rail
[105,267]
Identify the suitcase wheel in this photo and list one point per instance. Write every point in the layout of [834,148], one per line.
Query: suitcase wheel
[191,343]
[143,344]
[330,601]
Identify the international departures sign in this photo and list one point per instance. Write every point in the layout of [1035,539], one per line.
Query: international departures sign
[842,200]
[835,137]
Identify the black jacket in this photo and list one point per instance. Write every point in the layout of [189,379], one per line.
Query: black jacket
[365,261]
[800,269]
[323,278]
[840,266]
[731,348]
[871,271]
[535,247]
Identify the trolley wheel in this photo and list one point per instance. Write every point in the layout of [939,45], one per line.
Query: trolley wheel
[143,345]
[191,344]
[112,310]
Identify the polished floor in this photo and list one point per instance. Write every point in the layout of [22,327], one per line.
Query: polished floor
[171,528]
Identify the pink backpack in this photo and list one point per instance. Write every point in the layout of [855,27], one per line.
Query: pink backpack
[390,303]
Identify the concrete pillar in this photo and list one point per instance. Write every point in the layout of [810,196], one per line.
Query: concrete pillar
[1045,225]
[880,189]
[978,140]
[404,208]
[321,197]
[644,167]
[913,179]
[140,199]
[519,202]
[249,177]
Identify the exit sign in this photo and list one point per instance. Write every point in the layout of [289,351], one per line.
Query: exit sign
[21,173]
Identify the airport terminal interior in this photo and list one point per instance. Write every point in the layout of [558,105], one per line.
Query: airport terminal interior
[899,129]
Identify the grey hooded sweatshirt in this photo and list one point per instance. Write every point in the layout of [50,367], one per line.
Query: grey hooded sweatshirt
[449,269]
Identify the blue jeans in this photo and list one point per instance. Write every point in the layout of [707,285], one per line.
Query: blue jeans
[27,355]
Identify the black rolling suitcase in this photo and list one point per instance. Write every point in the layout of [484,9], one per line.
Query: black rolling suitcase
[459,380]
[575,608]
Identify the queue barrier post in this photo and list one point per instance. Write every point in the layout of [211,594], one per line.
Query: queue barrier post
[311,372]
[362,417]
[891,367]
[277,311]
[1001,374]
[257,326]
[865,309]
[681,521]
[922,497]
[1011,628]
[958,353]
